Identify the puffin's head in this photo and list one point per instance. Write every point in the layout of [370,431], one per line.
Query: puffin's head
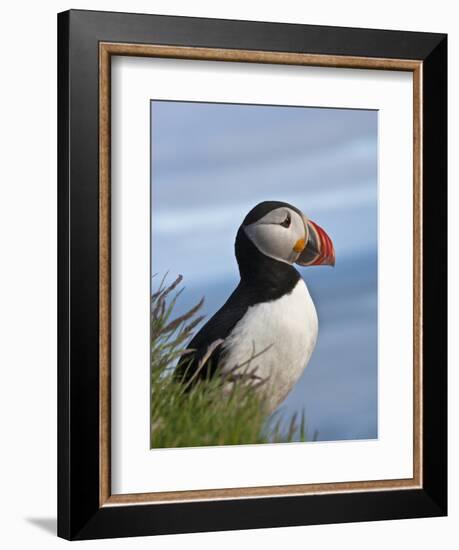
[282,232]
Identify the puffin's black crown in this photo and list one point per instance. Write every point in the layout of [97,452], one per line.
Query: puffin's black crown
[262,208]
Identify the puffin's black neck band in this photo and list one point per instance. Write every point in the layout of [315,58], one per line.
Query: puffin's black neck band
[269,279]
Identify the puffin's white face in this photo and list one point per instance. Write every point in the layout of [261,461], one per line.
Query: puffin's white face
[281,234]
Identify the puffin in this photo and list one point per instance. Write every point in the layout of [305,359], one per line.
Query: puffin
[268,326]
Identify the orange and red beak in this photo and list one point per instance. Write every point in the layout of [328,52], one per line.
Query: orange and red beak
[319,249]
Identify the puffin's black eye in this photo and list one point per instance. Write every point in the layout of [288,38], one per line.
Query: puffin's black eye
[287,221]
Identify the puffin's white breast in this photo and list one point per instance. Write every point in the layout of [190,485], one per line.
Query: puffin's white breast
[287,329]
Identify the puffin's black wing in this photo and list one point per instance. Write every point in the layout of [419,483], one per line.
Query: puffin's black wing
[217,328]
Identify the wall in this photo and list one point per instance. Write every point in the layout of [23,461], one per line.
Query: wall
[28,269]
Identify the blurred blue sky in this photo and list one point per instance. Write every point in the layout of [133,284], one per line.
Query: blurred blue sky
[211,163]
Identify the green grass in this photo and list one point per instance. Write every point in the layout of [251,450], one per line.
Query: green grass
[202,414]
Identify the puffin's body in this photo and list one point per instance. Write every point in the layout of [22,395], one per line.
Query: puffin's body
[284,333]
[268,326]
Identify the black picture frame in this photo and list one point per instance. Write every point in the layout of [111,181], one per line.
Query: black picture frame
[80,515]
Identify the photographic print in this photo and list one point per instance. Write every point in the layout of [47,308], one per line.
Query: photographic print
[264,274]
[251,282]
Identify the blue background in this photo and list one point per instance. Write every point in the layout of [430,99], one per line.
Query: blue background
[211,163]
